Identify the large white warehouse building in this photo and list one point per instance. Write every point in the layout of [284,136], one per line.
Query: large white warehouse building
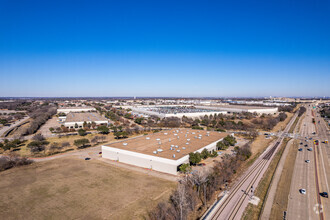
[164,151]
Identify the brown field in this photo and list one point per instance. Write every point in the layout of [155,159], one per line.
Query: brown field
[282,124]
[72,188]
[260,144]
[282,191]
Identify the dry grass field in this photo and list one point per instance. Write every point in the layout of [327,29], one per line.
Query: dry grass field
[72,188]
[283,187]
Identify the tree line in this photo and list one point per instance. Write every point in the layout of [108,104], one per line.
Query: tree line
[195,191]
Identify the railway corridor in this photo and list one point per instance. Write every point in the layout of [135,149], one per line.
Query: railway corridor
[238,197]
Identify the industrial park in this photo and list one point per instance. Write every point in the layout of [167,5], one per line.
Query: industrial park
[233,147]
[164,110]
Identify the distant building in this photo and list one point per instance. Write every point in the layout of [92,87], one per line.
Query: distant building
[76,109]
[77,119]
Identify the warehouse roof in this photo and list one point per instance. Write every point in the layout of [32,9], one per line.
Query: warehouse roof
[77,107]
[245,107]
[84,116]
[184,140]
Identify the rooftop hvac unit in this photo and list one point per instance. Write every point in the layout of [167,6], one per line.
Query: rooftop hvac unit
[159,142]
[178,151]
[188,139]
[124,144]
[199,137]
[208,132]
[176,146]
[178,137]
[172,145]
[155,152]
[148,138]
[187,143]
[160,150]
[173,156]
[193,132]
[169,140]
[157,139]
[175,134]
[183,148]
[186,135]
[171,148]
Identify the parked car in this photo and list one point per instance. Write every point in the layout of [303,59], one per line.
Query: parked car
[307,161]
[324,194]
[300,149]
[310,149]
[302,191]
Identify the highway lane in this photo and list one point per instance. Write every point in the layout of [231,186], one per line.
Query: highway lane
[323,157]
[233,206]
[310,176]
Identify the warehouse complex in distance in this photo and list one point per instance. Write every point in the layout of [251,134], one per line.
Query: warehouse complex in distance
[76,109]
[164,111]
[163,151]
[77,119]
[242,108]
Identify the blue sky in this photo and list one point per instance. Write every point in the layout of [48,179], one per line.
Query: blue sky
[165,48]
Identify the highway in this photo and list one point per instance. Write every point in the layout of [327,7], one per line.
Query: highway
[234,202]
[312,176]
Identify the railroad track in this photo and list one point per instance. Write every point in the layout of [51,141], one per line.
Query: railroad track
[256,169]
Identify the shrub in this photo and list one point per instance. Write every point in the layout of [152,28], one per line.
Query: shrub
[7,162]
[185,168]
[82,132]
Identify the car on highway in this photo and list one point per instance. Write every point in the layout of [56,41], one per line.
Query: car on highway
[307,161]
[310,149]
[306,145]
[300,149]
[324,194]
[302,191]
[87,158]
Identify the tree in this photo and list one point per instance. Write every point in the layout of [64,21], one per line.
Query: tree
[139,120]
[205,154]
[185,168]
[37,146]
[51,129]
[180,201]
[82,132]
[103,129]
[38,137]
[81,143]
[221,146]
[95,140]
[194,158]
[55,146]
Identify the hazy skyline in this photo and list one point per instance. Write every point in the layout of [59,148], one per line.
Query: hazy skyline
[145,48]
